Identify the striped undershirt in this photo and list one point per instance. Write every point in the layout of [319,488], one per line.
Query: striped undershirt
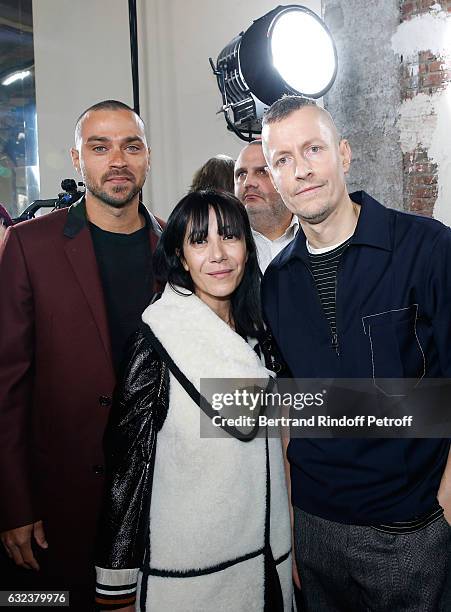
[324,266]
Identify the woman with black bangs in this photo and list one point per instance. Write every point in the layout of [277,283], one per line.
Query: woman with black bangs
[194,522]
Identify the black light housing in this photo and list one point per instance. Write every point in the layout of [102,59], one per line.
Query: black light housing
[263,63]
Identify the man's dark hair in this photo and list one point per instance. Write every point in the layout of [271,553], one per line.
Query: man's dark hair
[283,107]
[192,214]
[105,105]
[216,173]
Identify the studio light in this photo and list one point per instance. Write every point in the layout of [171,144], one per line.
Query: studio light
[16,76]
[287,51]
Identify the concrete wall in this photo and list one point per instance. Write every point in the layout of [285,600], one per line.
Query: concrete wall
[366,95]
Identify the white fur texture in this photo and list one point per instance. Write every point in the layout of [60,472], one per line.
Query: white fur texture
[208,499]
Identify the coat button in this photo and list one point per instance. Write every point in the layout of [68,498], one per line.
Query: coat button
[105,400]
[98,470]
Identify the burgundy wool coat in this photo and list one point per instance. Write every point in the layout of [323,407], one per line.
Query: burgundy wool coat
[56,382]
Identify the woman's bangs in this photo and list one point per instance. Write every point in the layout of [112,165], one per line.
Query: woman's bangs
[230,222]
[228,218]
[198,222]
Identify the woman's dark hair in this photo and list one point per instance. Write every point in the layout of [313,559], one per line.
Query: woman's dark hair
[216,173]
[192,212]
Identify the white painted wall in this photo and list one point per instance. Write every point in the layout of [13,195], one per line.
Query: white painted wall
[180,95]
[82,56]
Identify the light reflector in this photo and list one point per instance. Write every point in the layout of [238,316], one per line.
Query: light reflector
[303,52]
[287,51]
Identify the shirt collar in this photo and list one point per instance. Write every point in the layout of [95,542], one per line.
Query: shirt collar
[373,229]
[294,226]
[77,220]
[373,226]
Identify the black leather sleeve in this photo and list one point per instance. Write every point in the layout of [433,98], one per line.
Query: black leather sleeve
[140,405]
[267,347]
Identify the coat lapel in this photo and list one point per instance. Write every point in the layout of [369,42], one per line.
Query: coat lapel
[198,341]
[81,255]
[80,252]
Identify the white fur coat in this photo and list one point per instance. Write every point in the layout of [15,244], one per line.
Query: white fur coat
[208,499]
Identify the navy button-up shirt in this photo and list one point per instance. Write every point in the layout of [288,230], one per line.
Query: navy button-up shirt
[393,313]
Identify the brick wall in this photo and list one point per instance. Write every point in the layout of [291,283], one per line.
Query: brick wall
[424,75]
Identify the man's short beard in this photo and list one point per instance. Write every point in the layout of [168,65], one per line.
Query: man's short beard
[108,198]
[271,209]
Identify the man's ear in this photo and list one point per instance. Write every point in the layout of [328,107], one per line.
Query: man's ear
[346,154]
[75,155]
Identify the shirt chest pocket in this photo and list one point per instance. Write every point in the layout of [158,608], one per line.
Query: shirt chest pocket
[394,345]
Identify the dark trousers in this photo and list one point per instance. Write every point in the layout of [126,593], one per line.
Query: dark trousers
[14,578]
[348,568]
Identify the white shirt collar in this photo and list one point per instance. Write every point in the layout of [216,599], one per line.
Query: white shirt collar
[267,249]
[294,226]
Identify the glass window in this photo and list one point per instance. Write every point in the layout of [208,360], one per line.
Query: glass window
[19,170]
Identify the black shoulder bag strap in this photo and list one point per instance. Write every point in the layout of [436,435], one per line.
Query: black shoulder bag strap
[273,589]
[194,394]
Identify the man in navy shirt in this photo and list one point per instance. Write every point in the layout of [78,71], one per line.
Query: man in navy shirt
[363,291]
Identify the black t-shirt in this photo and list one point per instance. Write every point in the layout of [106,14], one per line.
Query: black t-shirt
[125,266]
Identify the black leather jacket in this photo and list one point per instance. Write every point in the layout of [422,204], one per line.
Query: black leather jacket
[140,405]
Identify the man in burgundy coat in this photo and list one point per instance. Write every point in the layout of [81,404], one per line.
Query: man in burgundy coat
[73,286]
